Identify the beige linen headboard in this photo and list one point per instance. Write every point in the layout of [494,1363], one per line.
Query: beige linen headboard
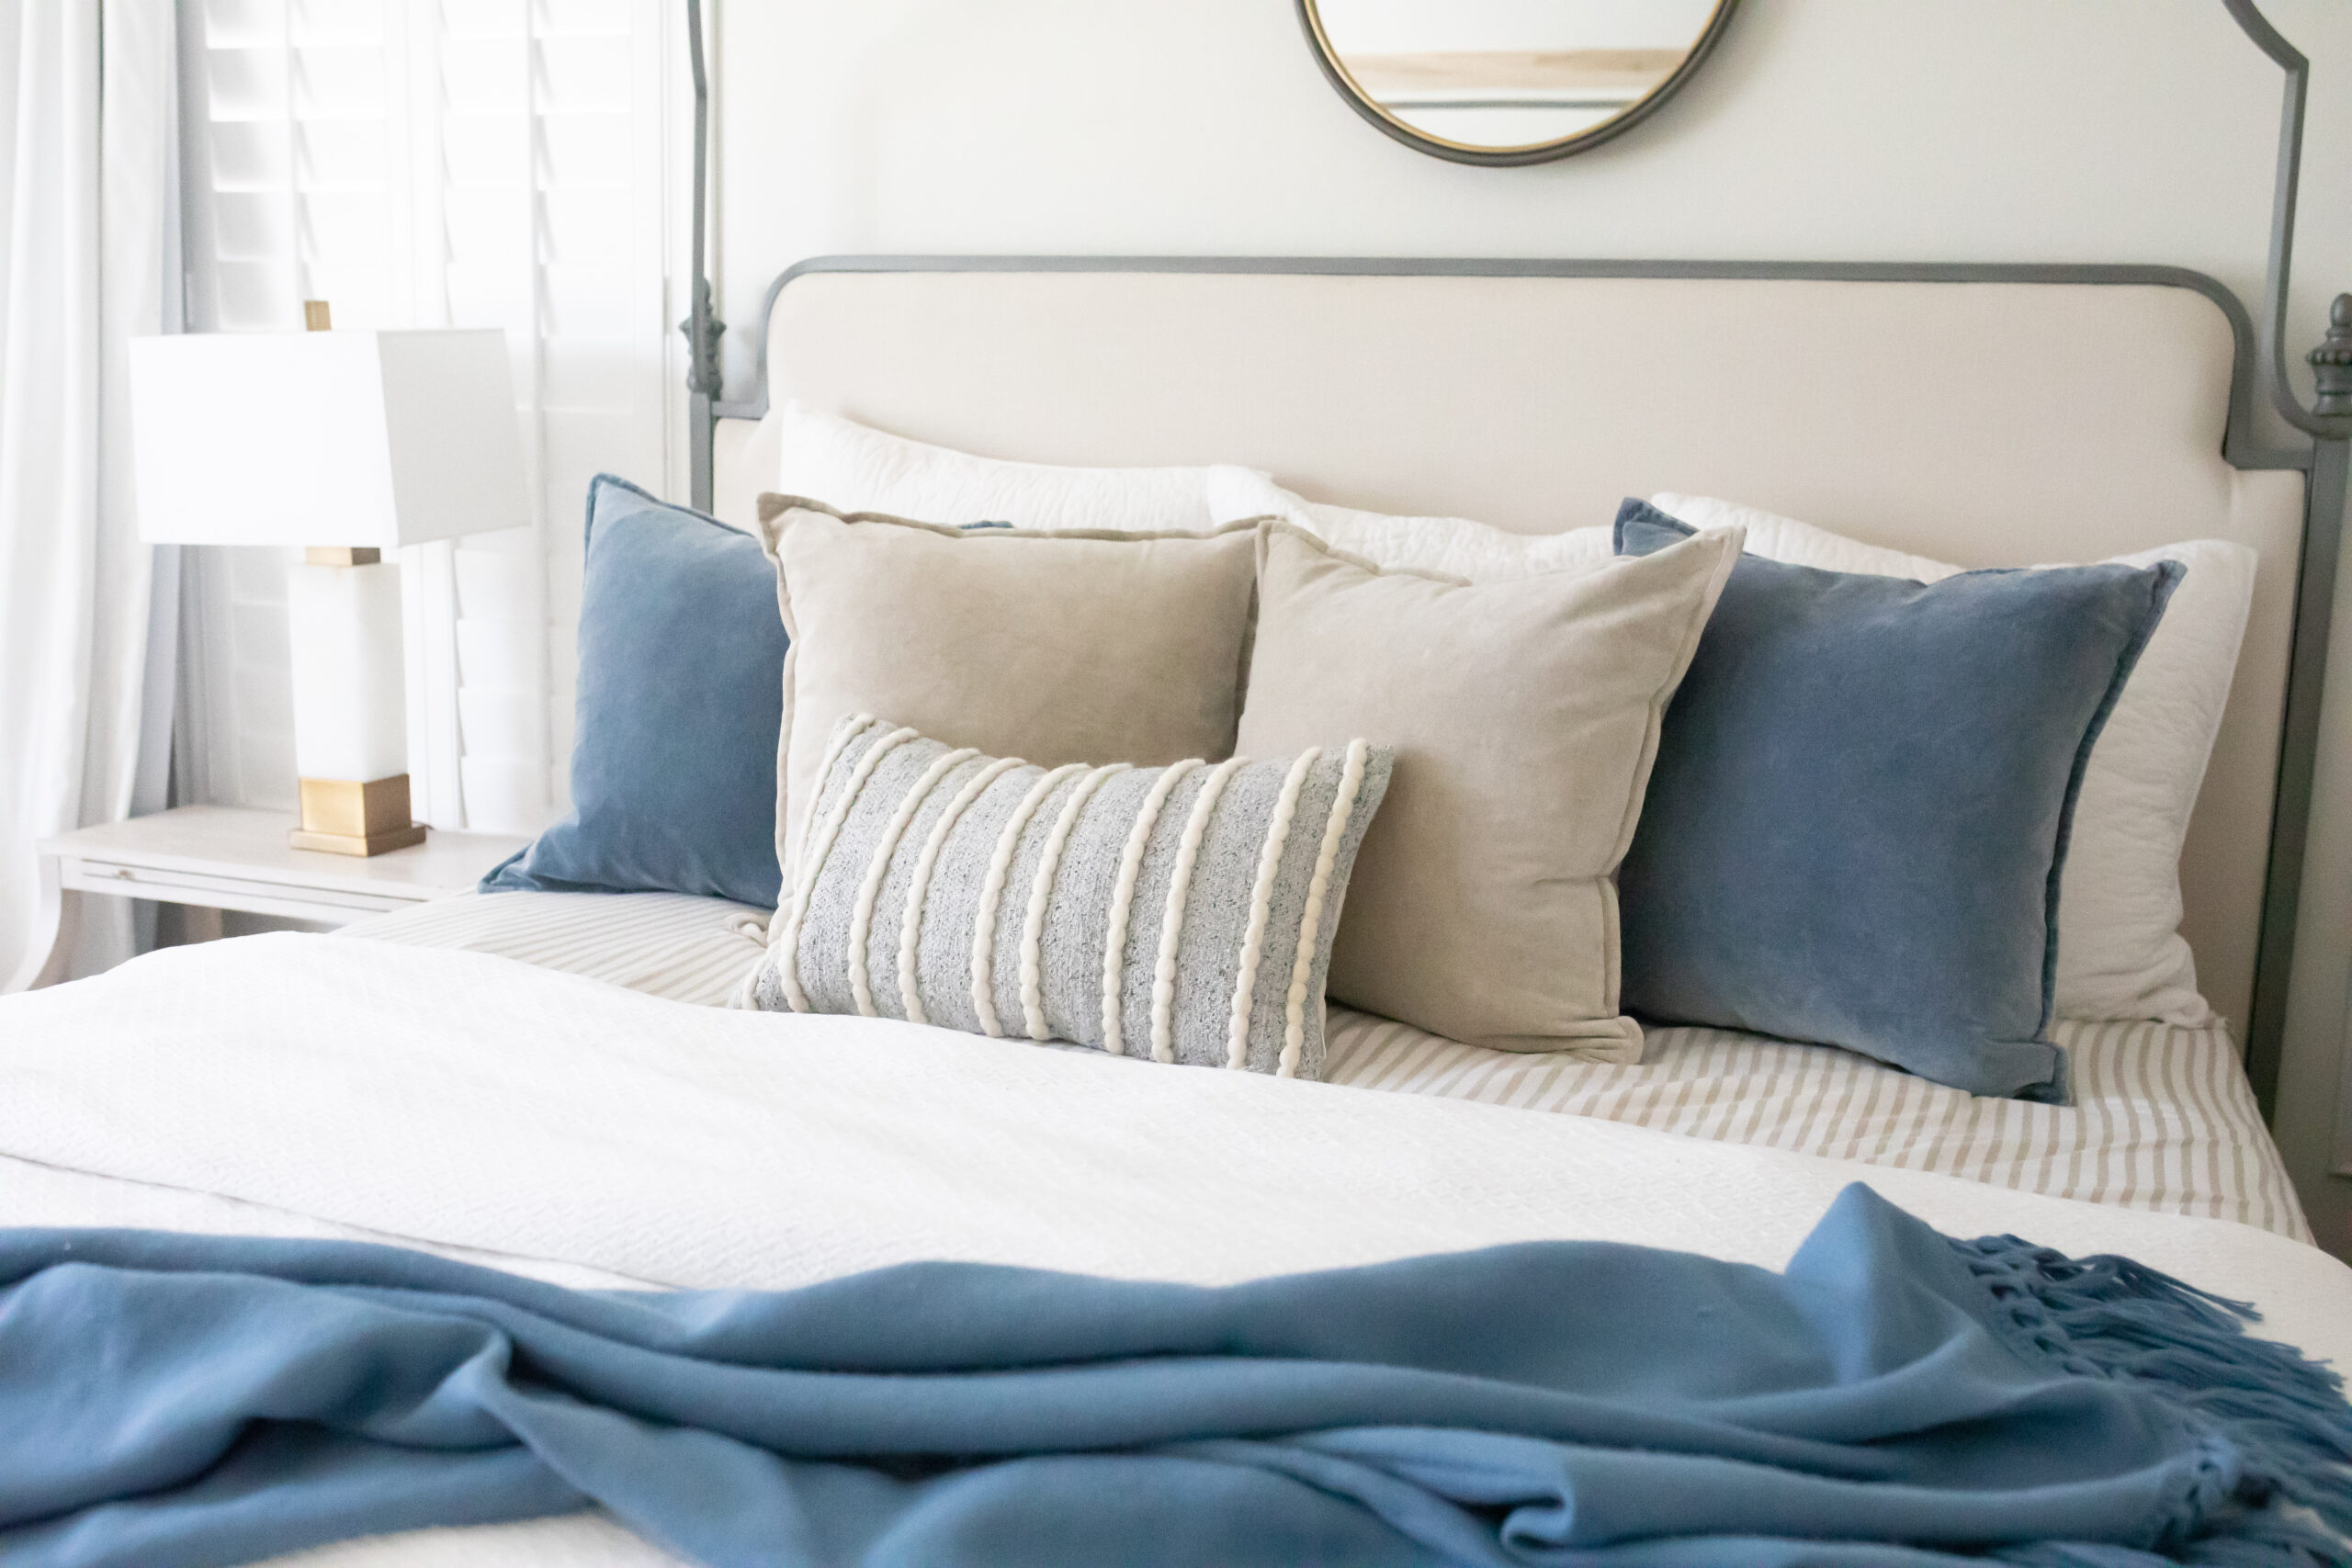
[1985,415]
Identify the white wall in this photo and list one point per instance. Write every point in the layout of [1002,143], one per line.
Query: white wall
[2096,130]
[1863,130]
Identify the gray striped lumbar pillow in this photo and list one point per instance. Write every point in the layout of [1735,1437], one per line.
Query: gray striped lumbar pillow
[1181,913]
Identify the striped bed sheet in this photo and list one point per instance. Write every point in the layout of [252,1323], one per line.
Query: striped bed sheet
[2164,1120]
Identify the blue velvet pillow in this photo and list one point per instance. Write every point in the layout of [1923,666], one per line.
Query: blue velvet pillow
[681,701]
[1859,807]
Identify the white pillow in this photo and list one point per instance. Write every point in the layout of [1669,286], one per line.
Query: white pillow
[1446,547]
[2121,954]
[852,467]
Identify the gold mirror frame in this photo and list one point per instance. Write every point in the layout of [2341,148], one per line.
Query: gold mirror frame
[1633,114]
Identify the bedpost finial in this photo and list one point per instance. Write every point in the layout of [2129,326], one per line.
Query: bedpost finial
[2331,362]
[703,357]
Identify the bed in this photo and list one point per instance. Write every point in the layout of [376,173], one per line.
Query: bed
[541,1081]
[2163,1120]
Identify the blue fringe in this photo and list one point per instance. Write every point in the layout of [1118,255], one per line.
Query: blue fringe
[2275,1487]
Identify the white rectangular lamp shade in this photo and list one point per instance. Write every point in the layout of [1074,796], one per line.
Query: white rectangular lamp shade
[356,440]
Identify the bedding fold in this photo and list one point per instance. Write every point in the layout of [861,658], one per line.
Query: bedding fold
[457,1099]
[200,1400]
[2164,1120]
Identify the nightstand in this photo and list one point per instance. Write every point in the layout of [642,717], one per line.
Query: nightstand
[224,858]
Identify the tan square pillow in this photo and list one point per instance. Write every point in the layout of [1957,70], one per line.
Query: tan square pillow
[1055,647]
[1524,716]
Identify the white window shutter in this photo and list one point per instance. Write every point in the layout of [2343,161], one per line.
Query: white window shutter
[430,163]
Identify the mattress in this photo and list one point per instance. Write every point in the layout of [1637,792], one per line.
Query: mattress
[2164,1121]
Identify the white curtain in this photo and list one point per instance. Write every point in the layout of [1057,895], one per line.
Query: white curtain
[88,261]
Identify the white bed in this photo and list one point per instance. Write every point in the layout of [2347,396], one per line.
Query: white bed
[507,1114]
[595,1127]
[2162,1120]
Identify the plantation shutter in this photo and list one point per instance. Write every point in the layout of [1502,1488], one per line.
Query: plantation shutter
[436,162]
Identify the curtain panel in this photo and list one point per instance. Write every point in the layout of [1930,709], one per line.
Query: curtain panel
[88,260]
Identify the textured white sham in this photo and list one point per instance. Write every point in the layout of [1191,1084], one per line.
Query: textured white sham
[858,468]
[1443,547]
[2121,954]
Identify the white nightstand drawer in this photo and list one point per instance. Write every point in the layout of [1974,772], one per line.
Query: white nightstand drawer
[223,857]
[333,906]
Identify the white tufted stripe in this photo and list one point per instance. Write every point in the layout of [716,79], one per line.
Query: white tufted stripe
[1123,899]
[849,729]
[1335,826]
[1041,895]
[787,964]
[1171,926]
[993,893]
[919,889]
[1261,899]
[877,869]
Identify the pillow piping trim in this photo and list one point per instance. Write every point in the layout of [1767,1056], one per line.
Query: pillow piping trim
[2058,1088]
[1616,1032]
[587,538]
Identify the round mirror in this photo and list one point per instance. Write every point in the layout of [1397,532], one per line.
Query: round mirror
[1509,80]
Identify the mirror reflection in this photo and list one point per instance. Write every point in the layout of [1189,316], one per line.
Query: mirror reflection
[1507,76]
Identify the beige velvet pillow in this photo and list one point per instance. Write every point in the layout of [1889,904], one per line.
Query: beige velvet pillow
[1052,647]
[1524,716]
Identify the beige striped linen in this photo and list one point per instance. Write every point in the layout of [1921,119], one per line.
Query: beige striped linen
[2164,1120]
[665,944]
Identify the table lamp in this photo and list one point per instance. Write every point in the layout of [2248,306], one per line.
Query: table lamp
[347,444]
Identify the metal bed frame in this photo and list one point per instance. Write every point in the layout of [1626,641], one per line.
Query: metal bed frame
[2259,360]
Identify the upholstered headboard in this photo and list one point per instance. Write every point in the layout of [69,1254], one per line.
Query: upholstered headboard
[1986,415]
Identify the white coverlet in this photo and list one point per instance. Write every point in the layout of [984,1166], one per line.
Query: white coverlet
[492,1110]
[464,1100]
[2163,1119]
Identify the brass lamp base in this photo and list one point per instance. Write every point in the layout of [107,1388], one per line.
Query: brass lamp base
[345,816]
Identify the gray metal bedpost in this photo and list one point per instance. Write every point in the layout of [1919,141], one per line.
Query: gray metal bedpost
[702,327]
[2332,363]
[2331,430]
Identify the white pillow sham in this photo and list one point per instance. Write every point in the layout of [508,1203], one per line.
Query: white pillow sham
[858,468]
[2121,954]
[1446,547]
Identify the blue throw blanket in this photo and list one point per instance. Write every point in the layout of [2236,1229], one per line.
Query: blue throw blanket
[1896,1399]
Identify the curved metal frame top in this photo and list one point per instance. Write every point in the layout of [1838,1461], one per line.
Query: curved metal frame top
[2237,444]
[2259,356]
[1353,93]
[2297,71]
[703,328]
[2316,570]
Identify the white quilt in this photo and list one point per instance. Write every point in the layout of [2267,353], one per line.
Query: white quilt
[2163,1118]
[478,1106]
